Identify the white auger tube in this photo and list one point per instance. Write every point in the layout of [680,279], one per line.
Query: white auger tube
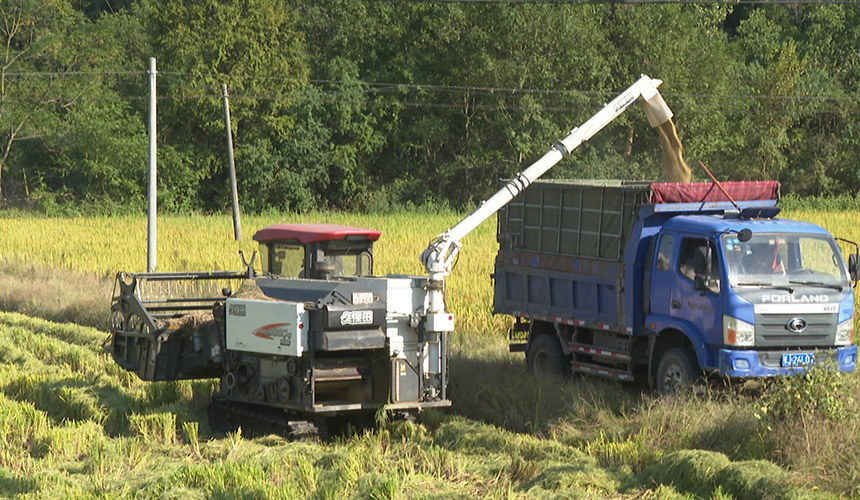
[439,257]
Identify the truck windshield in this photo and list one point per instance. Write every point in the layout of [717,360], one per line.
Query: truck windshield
[784,259]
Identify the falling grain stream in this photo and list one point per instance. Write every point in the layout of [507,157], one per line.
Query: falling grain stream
[674,167]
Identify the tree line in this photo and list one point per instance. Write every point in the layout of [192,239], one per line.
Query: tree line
[367,105]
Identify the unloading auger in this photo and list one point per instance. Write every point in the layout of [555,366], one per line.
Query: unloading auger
[440,256]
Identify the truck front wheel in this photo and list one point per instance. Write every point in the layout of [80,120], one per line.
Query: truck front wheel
[675,370]
[545,357]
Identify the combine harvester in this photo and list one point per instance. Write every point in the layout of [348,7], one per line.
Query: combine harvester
[315,338]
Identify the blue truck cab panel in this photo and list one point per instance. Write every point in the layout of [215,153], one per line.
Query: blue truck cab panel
[771,299]
[625,274]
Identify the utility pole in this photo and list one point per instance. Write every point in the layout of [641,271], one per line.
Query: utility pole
[237,226]
[152,229]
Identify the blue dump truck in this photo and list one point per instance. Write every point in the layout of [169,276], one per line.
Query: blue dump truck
[664,280]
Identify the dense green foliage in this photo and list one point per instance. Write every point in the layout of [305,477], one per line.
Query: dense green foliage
[377,105]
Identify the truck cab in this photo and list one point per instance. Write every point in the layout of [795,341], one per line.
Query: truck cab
[316,251]
[759,296]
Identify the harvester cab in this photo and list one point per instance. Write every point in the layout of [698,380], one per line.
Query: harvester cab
[316,251]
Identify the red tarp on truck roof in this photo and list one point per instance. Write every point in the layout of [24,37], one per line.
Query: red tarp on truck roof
[310,233]
[698,192]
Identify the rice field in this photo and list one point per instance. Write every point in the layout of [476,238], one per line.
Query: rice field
[104,246]
[73,425]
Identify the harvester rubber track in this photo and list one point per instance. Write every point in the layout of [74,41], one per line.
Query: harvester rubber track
[256,420]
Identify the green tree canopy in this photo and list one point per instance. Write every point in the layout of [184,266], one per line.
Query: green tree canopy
[357,104]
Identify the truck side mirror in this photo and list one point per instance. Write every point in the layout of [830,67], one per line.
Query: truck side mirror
[854,266]
[703,275]
[709,255]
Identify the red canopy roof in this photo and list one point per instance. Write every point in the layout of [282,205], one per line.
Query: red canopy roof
[698,192]
[310,233]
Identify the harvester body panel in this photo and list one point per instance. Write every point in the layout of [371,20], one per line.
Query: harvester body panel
[266,327]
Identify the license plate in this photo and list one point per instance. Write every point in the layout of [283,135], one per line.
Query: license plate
[798,359]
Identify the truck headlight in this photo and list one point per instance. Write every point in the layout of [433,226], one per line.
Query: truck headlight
[737,332]
[845,332]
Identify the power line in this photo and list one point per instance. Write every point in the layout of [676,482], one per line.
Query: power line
[392,87]
[677,106]
[190,87]
[72,73]
[651,2]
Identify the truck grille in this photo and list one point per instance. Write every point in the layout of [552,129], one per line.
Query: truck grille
[772,330]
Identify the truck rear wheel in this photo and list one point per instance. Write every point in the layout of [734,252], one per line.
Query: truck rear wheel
[675,370]
[545,357]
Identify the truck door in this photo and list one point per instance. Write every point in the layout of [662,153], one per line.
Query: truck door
[678,260]
[699,305]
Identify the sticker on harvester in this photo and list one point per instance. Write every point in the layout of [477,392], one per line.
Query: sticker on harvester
[236,310]
[359,298]
[350,318]
[276,331]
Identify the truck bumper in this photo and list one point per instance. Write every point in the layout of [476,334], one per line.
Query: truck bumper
[750,363]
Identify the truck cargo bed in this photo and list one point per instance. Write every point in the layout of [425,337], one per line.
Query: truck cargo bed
[559,288]
[571,251]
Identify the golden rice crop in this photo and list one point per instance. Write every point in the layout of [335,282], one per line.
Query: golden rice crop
[107,245]
[73,424]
